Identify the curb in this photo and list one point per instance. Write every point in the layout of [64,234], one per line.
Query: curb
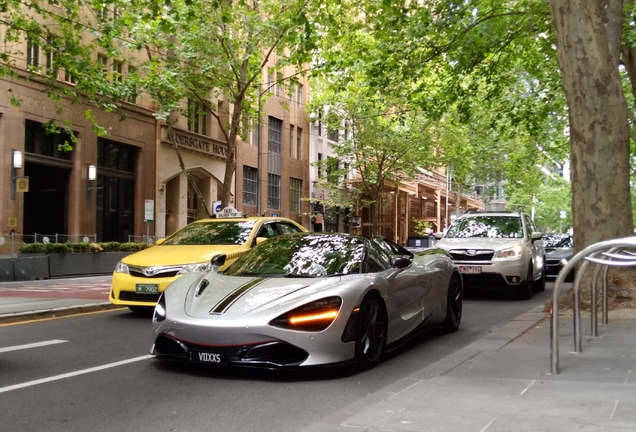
[57,312]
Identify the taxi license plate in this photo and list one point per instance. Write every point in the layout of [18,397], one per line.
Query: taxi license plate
[470,269]
[147,288]
[207,357]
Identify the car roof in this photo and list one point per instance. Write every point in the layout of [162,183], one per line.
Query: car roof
[491,213]
[246,218]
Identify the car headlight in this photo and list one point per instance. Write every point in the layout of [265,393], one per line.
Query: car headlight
[121,268]
[513,252]
[314,317]
[564,262]
[196,267]
[160,310]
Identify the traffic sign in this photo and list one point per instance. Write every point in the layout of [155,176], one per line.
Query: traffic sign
[149,211]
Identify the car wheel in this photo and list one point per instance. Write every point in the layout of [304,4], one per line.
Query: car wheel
[524,289]
[371,331]
[142,310]
[454,304]
[539,285]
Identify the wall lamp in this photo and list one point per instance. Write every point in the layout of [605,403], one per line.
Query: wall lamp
[16,164]
[91,176]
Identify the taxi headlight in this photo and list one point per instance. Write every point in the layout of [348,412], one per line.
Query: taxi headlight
[513,252]
[121,268]
[196,267]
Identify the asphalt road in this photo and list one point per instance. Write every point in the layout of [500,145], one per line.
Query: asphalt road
[92,373]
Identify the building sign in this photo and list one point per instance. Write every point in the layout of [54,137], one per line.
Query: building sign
[198,143]
[149,211]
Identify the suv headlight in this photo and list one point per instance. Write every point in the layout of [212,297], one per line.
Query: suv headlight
[121,268]
[196,267]
[513,252]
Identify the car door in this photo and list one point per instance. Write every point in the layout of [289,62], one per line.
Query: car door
[406,287]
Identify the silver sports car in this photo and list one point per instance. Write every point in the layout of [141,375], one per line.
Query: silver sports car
[308,299]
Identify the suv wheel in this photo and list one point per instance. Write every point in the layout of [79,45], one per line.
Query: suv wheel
[525,288]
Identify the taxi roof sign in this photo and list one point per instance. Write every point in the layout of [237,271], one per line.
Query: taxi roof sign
[229,212]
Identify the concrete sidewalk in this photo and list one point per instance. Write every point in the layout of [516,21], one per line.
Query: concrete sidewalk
[500,383]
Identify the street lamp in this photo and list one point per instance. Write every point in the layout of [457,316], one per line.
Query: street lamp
[16,164]
[91,176]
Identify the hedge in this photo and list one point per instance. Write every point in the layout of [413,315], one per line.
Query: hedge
[69,247]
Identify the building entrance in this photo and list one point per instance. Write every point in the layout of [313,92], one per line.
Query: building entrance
[47,200]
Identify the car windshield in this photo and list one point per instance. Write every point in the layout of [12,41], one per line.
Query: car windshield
[302,255]
[557,241]
[212,233]
[486,226]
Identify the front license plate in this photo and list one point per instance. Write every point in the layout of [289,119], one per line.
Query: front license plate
[207,357]
[470,269]
[147,288]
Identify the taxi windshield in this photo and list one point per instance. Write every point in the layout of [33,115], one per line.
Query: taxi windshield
[212,233]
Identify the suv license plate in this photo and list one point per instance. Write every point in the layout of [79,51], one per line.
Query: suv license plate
[147,288]
[470,269]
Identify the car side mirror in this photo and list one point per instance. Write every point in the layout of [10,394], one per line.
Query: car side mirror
[438,235]
[260,240]
[159,241]
[218,261]
[401,262]
[536,235]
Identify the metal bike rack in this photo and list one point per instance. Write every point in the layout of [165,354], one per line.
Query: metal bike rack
[604,254]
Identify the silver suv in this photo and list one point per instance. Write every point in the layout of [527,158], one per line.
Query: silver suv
[497,249]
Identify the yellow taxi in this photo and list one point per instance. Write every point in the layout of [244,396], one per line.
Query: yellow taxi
[141,277]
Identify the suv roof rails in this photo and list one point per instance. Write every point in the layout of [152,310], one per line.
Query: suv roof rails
[493,211]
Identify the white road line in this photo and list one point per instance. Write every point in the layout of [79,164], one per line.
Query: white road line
[33,345]
[72,374]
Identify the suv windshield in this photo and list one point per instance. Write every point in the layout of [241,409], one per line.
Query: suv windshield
[557,241]
[486,226]
[212,233]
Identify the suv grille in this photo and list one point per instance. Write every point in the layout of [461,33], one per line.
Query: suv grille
[472,255]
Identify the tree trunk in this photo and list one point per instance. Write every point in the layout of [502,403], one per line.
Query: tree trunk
[598,115]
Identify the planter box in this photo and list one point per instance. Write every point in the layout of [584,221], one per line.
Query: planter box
[24,268]
[84,264]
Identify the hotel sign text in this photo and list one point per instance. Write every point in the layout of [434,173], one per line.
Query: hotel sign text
[199,144]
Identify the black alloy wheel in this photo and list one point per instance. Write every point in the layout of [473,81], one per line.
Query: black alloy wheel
[454,304]
[525,288]
[371,331]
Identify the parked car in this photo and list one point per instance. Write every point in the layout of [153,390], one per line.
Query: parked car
[140,278]
[497,249]
[559,249]
[308,299]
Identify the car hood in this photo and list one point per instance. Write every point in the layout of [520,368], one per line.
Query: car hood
[165,255]
[559,253]
[477,243]
[237,297]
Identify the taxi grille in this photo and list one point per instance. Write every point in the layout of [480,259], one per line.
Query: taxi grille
[158,273]
[131,296]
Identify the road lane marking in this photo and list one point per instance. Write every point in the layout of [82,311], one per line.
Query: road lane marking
[32,345]
[73,374]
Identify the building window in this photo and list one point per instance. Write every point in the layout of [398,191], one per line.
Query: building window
[279,85]
[33,55]
[273,191]
[38,140]
[103,62]
[333,135]
[250,185]
[321,173]
[275,132]
[299,94]
[295,187]
[255,132]
[292,89]
[68,77]
[270,80]
[132,72]
[118,70]
[299,143]
[50,57]
[116,156]
[291,141]
[319,124]
[196,118]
